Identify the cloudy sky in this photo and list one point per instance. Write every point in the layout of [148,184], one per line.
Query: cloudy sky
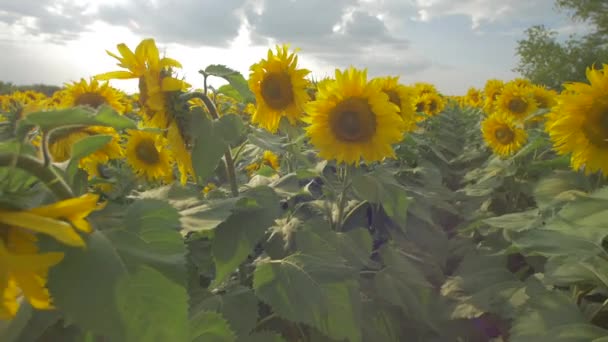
[451,43]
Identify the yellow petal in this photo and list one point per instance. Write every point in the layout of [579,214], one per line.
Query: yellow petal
[121,75]
[8,297]
[169,62]
[60,230]
[172,84]
[129,60]
[33,287]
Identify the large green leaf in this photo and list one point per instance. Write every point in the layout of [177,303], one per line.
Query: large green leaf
[153,307]
[318,289]
[553,317]
[264,336]
[482,283]
[239,307]
[150,235]
[211,140]
[84,285]
[210,326]
[79,116]
[236,237]
[206,217]
[381,188]
[234,78]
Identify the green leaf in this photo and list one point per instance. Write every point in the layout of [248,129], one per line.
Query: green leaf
[239,307]
[83,286]
[314,290]
[515,221]
[210,326]
[401,283]
[234,78]
[264,336]
[152,307]
[553,317]
[482,283]
[265,140]
[230,91]
[211,140]
[79,116]
[150,236]
[83,148]
[380,187]
[236,237]
[558,188]
[206,217]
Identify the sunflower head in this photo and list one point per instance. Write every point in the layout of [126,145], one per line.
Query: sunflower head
[545,98]
[92,94]
[474,98]
[422,88]
[516,101]
[492,90]
[352,119]
[402,96]
[430,104]
[503,134]
[578,124]
[148,154]
[279,88]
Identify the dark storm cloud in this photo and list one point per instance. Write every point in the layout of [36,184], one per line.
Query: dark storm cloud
[193,23]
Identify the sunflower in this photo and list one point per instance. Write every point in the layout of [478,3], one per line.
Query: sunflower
[522,82]
[503,134]
[61,143]
[23,270]
[403,97]
[111,150]
[352,119]
[430,104]
[578,123]
[92,94]
[492,89]
[516,101]
[268,158]
[424,88]
[474,98]
[148,155]
[156,85]
[545,98]
[279,88]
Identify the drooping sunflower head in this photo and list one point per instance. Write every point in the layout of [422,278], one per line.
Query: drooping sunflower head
[352,119]
[148,155]
[403,97]
[279,88]
[92,94]
[503,134]
[516,101]
[474,98]
[578,124]
[492,89]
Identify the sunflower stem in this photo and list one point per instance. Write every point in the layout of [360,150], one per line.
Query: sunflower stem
[230,170]
[46,154]
[36,167]
[342,203]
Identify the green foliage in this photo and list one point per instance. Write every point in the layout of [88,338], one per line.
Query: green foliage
[9,87]
[546,60]
[152,307]
[211,138]
[237,82]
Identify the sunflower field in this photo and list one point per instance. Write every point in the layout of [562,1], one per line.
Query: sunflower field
[280,208]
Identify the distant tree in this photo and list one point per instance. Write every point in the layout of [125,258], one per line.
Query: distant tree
[544,60]
[8,87]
